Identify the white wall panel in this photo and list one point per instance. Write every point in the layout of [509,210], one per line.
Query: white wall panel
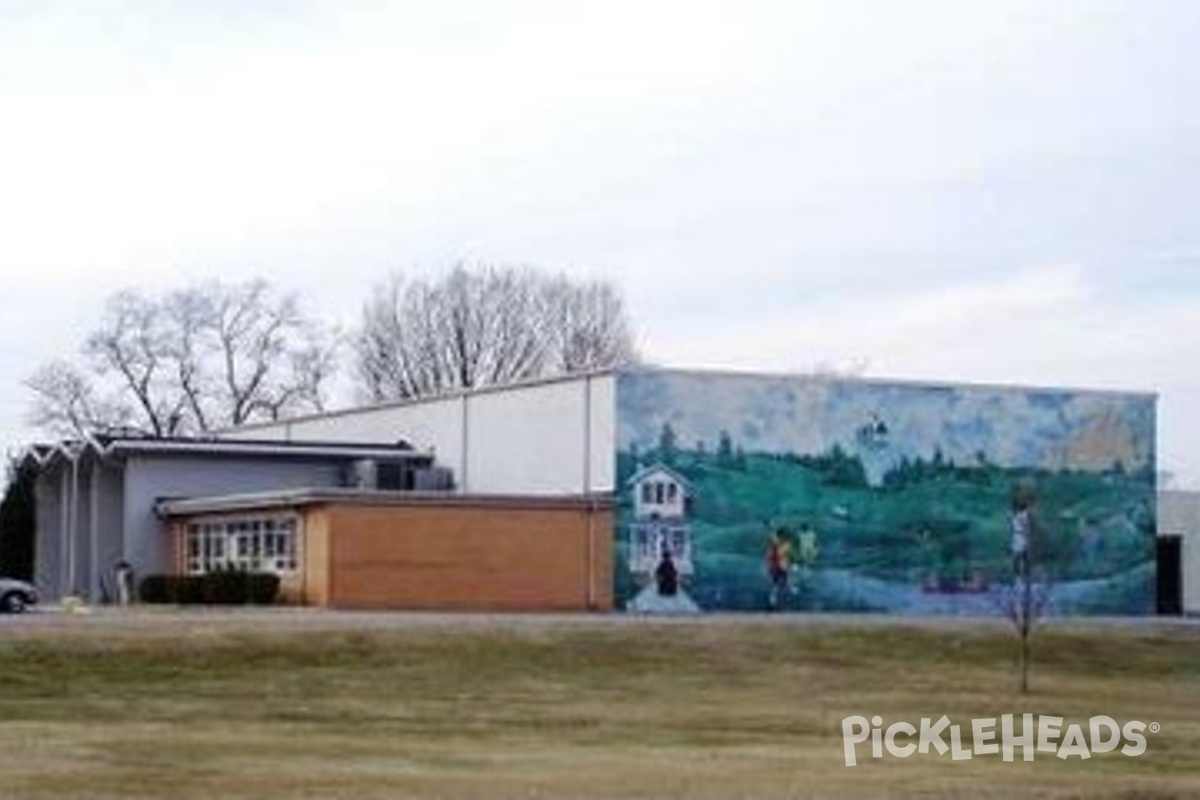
[432,425]
[603,446]
[528,439]
[555,437]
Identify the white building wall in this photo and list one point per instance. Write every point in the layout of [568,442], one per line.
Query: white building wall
[1179,515]
[528,440]
[553,437]
[602,445]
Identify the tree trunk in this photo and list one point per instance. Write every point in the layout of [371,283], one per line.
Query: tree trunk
[1025,660]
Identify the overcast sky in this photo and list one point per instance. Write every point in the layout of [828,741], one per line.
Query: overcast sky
[984,191]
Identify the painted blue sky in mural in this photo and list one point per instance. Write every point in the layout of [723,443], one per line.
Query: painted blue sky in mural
[885,422]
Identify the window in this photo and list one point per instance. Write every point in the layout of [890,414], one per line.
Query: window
[259,544]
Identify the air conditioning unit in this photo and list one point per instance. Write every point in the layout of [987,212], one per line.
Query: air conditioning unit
[393,476]
[433,479]
[363,474]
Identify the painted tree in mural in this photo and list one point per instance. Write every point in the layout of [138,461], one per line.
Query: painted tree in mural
[485,325]
[667,444]
[725,449]
[188,361]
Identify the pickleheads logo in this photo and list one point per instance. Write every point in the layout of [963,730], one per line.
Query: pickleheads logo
[1036,734]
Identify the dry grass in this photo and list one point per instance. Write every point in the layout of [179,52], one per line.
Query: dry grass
[569,709]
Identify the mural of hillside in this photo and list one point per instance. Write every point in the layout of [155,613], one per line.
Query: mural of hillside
[893,497]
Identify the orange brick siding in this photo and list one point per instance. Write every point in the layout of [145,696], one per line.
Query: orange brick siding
[461,557]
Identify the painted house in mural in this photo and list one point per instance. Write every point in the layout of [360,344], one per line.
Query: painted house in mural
[658,537]
[661,498]
[893,496]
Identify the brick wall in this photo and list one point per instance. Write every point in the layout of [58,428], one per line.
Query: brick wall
[463,555]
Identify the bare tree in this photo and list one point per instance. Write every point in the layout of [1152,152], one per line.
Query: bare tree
[201,357]
[483,326]
[132,344]
[66,403]
[186,348]
[272,359]
[589,323]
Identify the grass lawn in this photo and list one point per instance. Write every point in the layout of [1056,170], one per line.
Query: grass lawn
[571,708]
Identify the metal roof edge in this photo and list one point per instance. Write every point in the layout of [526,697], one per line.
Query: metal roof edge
[815,375]
[456,394]
[297,498]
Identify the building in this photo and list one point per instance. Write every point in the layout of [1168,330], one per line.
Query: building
[332,519]
[891,496]
[1179,552]
[410,550]
[898,495]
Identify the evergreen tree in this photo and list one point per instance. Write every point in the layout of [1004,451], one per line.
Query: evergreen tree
[725,449]
[667,444]
[17,526]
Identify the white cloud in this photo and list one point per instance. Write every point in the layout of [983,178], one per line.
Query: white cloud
[776,185]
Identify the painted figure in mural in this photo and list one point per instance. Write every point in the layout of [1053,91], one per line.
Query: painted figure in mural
[809,548]
[929,555]
[666,576]
[1022,525]
[779,564]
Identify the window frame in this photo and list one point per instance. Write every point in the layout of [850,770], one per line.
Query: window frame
[250,542]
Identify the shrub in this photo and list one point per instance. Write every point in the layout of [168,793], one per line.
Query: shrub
[189,589]
[157,589]
[262,588]
[224,587]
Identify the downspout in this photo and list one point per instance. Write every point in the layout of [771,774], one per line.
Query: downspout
[466,443]
[72,561]
[93,532]
[64,523]
[590,560]
[300,541]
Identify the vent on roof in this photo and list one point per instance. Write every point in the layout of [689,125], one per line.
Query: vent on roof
[393,476]
[363,474]
[433,479]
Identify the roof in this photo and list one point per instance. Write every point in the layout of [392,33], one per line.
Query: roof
[455,394]
[654,369]
[106,446]
[833,377]
[658,466]
[299,498]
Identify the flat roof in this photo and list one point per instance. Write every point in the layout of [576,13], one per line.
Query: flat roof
[651,369]
[102,447]
[915,383]
[297,498]
[454,394]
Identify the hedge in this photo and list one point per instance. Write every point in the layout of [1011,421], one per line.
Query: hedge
[227,588]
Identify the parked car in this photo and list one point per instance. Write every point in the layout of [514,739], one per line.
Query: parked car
[16,596]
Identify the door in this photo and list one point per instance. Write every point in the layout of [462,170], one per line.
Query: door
[1170,575]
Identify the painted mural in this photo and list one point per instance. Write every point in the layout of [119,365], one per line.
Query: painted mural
[755,493]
